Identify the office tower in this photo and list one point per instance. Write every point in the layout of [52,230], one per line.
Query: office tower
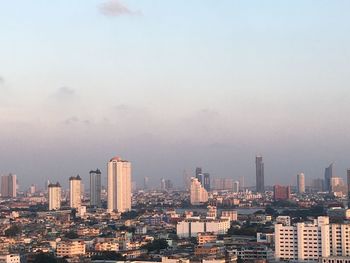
[309,242]
[118,185]
[222,184]
[328,174]
[168,185]
[162,184]
[198,194]
[199,174]
[301,183]
[281,192]
[348,181]
[206,181]
[235,187]
[259,166]
[95,188]
[54,192]
[32,189]
[241,183]
[317,185]
[338,186]
[75,192]
[9,185]
[145,183]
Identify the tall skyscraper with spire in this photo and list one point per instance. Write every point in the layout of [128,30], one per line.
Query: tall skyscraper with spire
[328,175]
[95,188]
[259,166]
[118,185]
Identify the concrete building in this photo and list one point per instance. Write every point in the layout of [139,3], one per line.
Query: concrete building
[301,183]
[118,185]
[9,185]
[223,184]
[348,181]
[259,166]
[235,187]
[54,192]
[192,226]
[198,195]
[10,258]
[206,181]
[328,174]
[95,188]
[204,238]
[75,192]
[311,241]
[338,186]
[71,248]
[281,192]
[231,214]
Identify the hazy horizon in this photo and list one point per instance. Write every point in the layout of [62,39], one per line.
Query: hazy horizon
[172,85]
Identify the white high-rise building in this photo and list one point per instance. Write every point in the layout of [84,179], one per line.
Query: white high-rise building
[301,183]
[311,241]
[198,194]
[95,188]
[9,185]
[75,192]
[118,185]
[54,191]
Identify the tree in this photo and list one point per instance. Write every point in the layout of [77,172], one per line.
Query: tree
[157,245]
[48,258]
[71,235]
[13,231]
[109,255]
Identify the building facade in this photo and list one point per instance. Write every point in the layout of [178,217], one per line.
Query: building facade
[9,185]
[281,192]
[118,185]
[198,195]
[328,174]
[75,192]
[54,192]
[259,167]
[301,183]
[95,188]
[192,226]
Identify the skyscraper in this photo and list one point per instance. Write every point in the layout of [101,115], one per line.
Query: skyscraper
[235,187]
[145,183]
[281,192]
[301,183]
[259,165]
[75,192]
[95,188]
[328,174]
[198,194]
[9,185]
[199,174]
[54,192]
[206,181]
[119,185]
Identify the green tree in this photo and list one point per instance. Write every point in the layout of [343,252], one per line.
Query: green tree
[13,231]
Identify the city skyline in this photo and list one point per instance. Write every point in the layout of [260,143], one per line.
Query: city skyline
[211,85]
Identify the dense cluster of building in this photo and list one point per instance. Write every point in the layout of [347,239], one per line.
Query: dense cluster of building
[213,220]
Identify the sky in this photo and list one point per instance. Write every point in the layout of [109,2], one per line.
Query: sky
[171,85]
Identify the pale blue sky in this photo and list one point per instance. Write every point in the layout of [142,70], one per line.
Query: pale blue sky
[174,84]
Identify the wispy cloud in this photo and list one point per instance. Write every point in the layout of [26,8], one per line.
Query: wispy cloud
[64,93]
[116,8]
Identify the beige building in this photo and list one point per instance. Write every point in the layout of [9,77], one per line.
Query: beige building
[10,258]
[204,238]
[231,214]
[311,241]
[301,183]
[75,192]
[54,192]
[70,248]
[9,185]
[198,194]
[118,185]
[192,226]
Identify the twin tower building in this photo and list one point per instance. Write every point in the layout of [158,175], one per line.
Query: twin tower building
[118,188]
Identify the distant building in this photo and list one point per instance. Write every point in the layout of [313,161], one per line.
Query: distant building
[206,181]
[231,214]
[223,184]
[199,174]
[9,185]
[95,188]
[198,195]
[192,227]
[328,174]
[348,181]
[145,183]
[75,192]
[281,192]
[338,186]
[317,185]
[70,248]
[10,258]
[235,187]
[118,185]
[301,183]
[54,192]
[259,166]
